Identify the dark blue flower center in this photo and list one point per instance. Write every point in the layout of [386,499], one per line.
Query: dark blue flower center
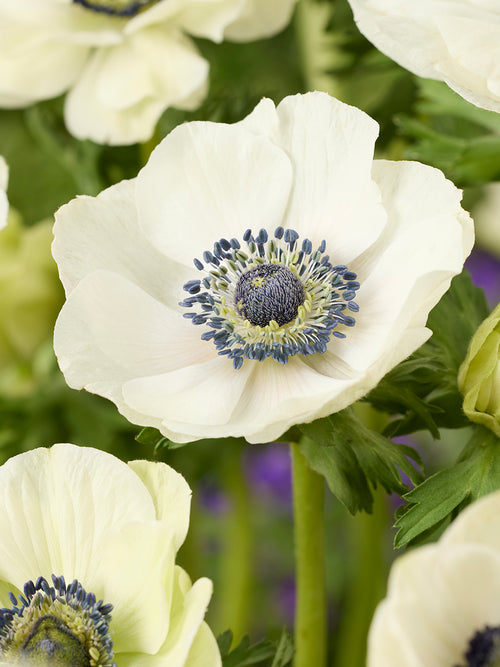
[484,648]
[269,292]
[58,625]
[125,8]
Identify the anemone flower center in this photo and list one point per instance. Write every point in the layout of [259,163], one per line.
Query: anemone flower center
[58,625]
[277,298]
[484,648]
[124,8]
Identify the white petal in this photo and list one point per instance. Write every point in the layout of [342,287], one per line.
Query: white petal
[138,572]
[110,331]
[206,181]
[260,18]
[456,42]
[58,506]
[124,89]
[202,394]
[171,495]
[331,147]
[204,650]
[86,233]
[188,609]
[200,18]
[478,524]
[334,198]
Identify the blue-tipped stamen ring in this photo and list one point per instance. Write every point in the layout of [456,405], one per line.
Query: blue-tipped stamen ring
[276,299]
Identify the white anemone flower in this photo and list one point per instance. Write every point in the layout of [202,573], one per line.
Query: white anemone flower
[456,41]
[280,228]
[87,564]
[4,203]
[442,607]
[122,61]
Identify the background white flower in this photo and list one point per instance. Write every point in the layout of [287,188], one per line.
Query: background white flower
[440,595]
[306,165]
[123,61]
[456,41]
[84,514]
[4,203]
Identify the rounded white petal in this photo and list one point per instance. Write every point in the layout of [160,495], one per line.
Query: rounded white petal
[260,18]
[110,332]
[124,89]
[206,181]
[204,651]
[479,523]
[75,492]
[455,41]
[171,495]
[85,240]
[334,197]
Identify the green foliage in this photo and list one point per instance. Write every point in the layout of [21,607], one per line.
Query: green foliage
[261,653]
[453,135]
[439,499]
[353,459]
[423,389]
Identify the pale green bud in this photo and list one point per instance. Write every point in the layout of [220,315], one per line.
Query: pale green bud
[30,293]
[479,375]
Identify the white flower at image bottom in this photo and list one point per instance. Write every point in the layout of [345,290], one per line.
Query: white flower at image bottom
[257,275]
[87,563]
[456,41]
[443,602]
[121,62]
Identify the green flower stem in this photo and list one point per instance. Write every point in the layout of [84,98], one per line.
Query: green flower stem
[235,583]
[310,615]
[368,567]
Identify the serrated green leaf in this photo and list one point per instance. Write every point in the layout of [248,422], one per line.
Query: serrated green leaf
[244,654]
[352,458]
[423,390]
[438,498]
[285,650]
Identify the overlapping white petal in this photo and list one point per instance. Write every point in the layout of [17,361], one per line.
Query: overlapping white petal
[456,41]
[440,595]
[120,73]
[307,164]
[82,513]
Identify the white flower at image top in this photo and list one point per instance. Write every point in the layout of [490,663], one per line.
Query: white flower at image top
[4,203]
[254,276]
[456,41]
[442,606]
[87,558]
[122,61]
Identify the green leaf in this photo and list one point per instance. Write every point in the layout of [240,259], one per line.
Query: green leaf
[260,653]
[441,496]
[353,458]
[423,390]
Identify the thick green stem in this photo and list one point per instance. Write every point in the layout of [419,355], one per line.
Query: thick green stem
[310,615]
[234,589]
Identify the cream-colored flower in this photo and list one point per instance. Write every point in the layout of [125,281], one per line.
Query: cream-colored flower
[456,41]
[81,514]
[122,61]
[442,607]
[4,203]
[273,342]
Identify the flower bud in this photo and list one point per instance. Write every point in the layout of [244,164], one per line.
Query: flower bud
[479,374]
[30,293]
